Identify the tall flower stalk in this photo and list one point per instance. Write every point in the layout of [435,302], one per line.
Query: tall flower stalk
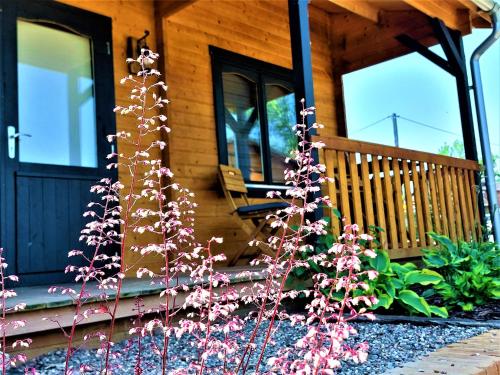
[153,216]
[7,360]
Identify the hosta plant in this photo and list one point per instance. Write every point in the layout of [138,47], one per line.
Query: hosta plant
[471,271]
[397,283]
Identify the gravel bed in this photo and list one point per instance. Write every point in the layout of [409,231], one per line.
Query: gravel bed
[391,345]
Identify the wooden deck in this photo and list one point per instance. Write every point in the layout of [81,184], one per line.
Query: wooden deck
[406,192]
[41,305]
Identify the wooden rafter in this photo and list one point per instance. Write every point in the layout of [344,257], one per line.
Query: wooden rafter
[359,7]
[166,8]
[416,46]
[452,16]
[475,11]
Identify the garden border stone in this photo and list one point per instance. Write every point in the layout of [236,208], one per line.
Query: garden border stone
[478,355]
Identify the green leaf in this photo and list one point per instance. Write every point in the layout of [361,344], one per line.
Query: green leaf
[412,299]
[439,311]
[314,266]
[384,301]
[445,242]
[402,269]
[398,283]
[381,262]
[466,306]
[434,260]
[390,287]
[494,293]
[422,277]
[337,213]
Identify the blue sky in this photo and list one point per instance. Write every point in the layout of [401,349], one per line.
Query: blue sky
[414,88]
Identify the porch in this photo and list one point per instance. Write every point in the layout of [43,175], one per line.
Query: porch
[407,193]
[48,314]
[403,192]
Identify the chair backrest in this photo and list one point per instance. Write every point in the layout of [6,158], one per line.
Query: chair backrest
[232,183]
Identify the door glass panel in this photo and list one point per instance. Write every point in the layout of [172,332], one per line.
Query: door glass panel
[280,105]
[56,97]
[243,135]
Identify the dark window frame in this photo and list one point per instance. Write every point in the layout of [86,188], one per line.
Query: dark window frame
[266,73]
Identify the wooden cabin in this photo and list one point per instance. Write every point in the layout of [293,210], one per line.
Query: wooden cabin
[235,71]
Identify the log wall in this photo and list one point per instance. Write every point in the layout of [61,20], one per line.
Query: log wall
[129,18]
[254,28]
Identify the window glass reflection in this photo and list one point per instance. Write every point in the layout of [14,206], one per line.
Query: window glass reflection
[280,105]
[243,126]
[56,97]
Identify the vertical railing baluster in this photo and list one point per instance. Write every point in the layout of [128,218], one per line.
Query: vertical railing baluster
[379,201]
[456,203]
[344,188]
[402,224]
[418,203]
[436,214]
[356,196]
[330,163]
[367,191]
[448,193]
[409,204]
[389,201]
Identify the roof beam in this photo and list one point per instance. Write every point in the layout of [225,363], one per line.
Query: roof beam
[165,8]
[479,18]
[361,8]
[452,16]
[448,44]
[416,46]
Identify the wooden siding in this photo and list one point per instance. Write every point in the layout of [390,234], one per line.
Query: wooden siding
[129,18]
[257,29]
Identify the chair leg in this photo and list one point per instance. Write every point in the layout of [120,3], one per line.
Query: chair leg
[253,235]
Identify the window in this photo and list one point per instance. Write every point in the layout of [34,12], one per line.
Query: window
[63,121]
[255,111]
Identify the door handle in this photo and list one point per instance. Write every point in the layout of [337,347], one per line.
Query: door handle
[11,140]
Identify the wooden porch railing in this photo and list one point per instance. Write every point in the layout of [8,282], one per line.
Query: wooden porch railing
[405,192]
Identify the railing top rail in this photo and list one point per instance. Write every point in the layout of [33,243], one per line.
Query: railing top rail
[350,145]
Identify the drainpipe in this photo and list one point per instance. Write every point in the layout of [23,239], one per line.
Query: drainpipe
[494,10]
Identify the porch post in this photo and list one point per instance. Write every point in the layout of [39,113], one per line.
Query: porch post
[302,71]
[301,54]
[465,105]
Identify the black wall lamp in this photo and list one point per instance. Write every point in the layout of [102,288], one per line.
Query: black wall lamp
[134,47]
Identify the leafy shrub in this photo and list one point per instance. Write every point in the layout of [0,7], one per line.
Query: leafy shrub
[471,271]
[395,281]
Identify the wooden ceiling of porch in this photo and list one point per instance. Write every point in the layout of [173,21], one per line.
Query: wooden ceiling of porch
[363,32]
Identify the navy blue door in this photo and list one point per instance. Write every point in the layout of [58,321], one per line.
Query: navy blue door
[56,111]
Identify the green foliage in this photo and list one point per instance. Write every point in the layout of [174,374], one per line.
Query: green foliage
[457,150]
[394,284]
[471,271]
